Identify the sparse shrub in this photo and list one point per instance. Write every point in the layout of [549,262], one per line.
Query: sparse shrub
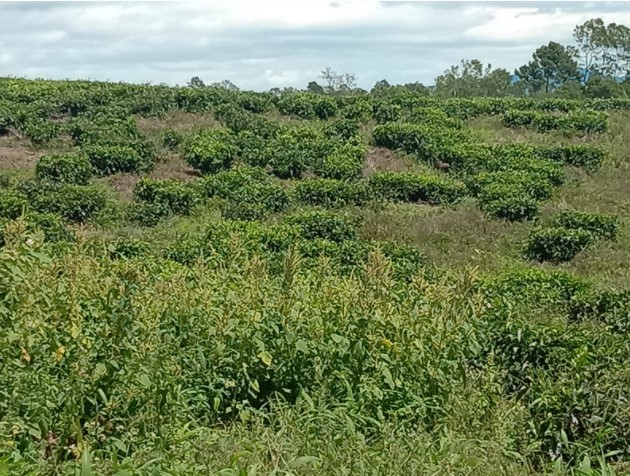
[599,224]
[330,193]
[172,139]
[177,196]
[515,118]
[210,151]
[64,168]
[557,244]
[412,187]
[327,225]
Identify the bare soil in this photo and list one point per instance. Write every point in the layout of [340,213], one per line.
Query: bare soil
[380,159]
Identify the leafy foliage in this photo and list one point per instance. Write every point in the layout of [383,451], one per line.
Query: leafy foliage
[64,168]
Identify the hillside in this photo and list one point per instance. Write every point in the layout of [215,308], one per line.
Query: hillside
[208,281]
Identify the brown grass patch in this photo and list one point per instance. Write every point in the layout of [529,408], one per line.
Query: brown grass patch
[18,156]
[380,159]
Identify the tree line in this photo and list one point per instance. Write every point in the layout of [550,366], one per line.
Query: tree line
[597,65]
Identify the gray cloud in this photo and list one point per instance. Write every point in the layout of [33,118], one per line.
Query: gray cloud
[260,44]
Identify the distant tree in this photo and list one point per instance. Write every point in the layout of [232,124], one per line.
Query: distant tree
[225,84]
[381,85]
[604,87]
[590,38]
[472,78]
[196,82]
[616,52]
[552,66]
[335,82]
[314,87]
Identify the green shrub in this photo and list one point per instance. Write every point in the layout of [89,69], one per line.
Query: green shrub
[149,213]
[12,203]
[296,150]
[210,151]
[327,225]
[407,261]
[344,163]
[176,196]
[330,193]
[412,187]
[599,224]
[580,155]
[611,308]
[511,195]
[64,168]
[244,211]
[246,185]
[557,244]
[52,226]
[515,118]
[111,159]
[73,202]
[307,105]
[40,131]
[342,130]
[588,122]
[126,248]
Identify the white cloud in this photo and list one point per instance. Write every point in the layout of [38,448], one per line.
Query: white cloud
[261,44]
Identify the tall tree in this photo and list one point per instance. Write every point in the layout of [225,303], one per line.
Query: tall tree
[196,82]
[602,49]
[472,78]
[552,66]
[336,82]
[589,38]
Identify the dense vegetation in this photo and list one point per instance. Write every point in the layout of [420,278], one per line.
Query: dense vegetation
[201,280]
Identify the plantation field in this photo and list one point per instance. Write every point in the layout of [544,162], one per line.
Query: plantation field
[208,281]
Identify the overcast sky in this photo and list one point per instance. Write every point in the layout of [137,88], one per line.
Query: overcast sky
[260,44]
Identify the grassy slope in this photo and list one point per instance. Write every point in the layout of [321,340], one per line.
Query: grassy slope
[452,238]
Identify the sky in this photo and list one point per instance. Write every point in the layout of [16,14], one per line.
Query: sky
[262,44]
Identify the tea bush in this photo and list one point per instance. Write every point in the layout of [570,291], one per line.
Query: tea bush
[412,187]
[333,226]
[77,203]
[246,185]
[211,150]
[579,155]
[175,196]
[12,203]
[330,193]
[557,244]
[612,308]
[64,168]
[307,105]
[345,162]
[599,224]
